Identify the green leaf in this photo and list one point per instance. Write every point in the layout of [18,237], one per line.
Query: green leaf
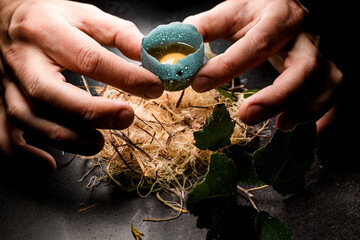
[225,93]
[216,131]
[213,198]
[219,183]
[284,161]
[244,164]
[248,93]
[213,201]
[270,228]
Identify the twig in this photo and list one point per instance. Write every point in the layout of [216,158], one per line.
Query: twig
[170,205]
[143,122]
[258,188]
[253,204]
[257,133]
[161,124]
[86,174]
[201,107]
[181,97]
[119,154]
[151,135]
[133,153]
[237,88]
[250,196]
[152,138]
[122,158]
[85,84]
[168,218]
[127,140]
[245,191]
[103,90]
[88,207]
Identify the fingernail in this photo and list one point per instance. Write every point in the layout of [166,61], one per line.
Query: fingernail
[154,91]
[202,84]
[254,114]
[123,119]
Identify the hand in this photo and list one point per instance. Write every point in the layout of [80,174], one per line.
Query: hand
[260,29]
[41,38]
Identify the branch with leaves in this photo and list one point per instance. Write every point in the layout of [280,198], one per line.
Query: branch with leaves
[282,163]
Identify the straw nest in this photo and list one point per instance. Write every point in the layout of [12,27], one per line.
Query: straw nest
[157,150]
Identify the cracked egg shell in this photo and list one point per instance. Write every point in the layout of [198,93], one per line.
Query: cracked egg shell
[175,76]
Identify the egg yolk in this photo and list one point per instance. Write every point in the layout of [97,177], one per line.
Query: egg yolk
[171,58]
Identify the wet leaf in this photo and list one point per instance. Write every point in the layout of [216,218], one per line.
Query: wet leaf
[212,199]
[248,93]
[271,228]
[284,161]
[225,93]
[244,164]
[216,131]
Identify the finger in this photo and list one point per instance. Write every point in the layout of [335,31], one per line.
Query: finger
[90,59]
[319,101]
[74,50]
[106,29]
[81,140]
[275,98]
[326,121]
[241,56]
[220,21]
[292,84]
[43,84]
[259,40]
[14,148]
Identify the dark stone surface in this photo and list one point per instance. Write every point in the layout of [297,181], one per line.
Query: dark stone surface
[41,208]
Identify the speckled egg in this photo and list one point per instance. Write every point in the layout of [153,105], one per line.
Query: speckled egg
[173,52]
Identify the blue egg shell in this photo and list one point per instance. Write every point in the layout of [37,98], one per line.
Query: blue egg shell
[177,76]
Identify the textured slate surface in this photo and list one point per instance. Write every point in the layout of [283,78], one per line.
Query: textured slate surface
[47,207]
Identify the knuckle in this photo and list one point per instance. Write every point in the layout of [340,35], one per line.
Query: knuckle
[196,20]
[35,90]
[13,111]
[336,74]
[311,65]
[296,13]
[262,45]
[279,96]
[128,81]
[24,25]
[129,24]
[56,133]
[228,66]
[88,59]
[89,112]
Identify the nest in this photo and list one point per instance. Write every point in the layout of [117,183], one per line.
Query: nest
[157,150]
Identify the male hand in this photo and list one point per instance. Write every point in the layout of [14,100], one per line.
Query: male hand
[262,29]
[41,38]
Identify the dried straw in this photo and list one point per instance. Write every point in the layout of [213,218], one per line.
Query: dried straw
[158,148]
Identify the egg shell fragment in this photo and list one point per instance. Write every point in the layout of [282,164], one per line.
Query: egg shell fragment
[174,76]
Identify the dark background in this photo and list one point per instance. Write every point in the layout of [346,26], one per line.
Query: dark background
[47,207]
